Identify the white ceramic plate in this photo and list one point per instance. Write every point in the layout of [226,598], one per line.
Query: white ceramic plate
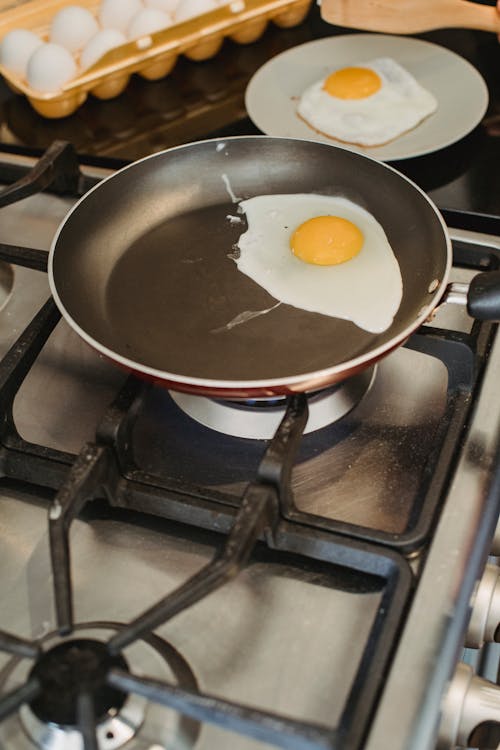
[461,92]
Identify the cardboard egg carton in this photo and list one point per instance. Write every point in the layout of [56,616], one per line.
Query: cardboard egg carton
[151,56]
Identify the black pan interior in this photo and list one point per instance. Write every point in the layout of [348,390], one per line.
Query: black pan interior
[143,264]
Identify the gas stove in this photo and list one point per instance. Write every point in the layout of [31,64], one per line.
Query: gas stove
[302,575]
[167,585]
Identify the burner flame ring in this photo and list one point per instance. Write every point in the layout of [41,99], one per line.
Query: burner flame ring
[69,669]
[138,719]
[64,672]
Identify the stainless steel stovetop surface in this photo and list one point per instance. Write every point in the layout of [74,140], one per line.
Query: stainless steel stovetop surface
[269,639]
[275,638]
[282,637]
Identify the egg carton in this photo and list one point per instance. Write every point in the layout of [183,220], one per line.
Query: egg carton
[152,56]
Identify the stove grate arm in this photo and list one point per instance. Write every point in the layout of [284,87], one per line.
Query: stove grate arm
[12,701]
[12,644]
[259,725]
[89,470]
[87,721]
[57,168]
[258,514]
[94,473]
[252,519]
[27,257]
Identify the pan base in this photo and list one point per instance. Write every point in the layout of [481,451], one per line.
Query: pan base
[203,318]
[259,420]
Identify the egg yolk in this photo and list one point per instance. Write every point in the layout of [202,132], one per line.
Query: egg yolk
[352,83]
[326,240]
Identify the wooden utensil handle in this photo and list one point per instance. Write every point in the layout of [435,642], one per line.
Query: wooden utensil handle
[473,16]
[410,16]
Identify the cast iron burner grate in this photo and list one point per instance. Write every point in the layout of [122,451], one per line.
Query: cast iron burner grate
[462,353]
[266,513]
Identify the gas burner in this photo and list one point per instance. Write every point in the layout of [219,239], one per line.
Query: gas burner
[65,672]
[259,419]
[112,732]
[68,667]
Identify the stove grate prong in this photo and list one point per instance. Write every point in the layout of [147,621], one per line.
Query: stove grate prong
[27,257]
[94,472]
[260,725]
[278,461]
[12,644]
[253,518]
[19,359]
[10,702]
[57,167]
[87,721]
[258,514]
[88,472]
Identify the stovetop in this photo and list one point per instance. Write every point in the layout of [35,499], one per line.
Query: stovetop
[256,588]
[245,655]
[329,575]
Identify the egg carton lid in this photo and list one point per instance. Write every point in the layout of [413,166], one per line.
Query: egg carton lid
[133,56]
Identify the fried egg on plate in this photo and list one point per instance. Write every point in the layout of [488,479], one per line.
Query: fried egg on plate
[367,104]
[324,254]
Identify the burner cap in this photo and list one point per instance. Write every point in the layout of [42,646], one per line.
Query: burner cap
[67,670]
[260,419]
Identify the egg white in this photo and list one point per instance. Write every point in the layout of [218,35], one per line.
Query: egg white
[147,21]
[366,290]
[99,44]
[399,105]
[16,48]
[50,67]
[72,27]
[117,14]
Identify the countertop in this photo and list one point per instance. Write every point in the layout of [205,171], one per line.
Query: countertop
[205,99]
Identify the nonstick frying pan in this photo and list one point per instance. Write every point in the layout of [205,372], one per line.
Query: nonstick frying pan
[141,267]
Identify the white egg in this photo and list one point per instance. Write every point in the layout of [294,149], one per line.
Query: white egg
[50,67]
[16,49]
[190,8]
[147,21]
[352,111]
[102,42]
[367,289]
[167,6]
[117,14]
[72,27]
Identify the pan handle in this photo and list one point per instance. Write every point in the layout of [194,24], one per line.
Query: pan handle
[481,296]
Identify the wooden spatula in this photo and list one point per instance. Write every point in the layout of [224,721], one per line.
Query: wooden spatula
[410,16]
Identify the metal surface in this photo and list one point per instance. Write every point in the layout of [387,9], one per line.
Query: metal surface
[455,561]
[112,733]
[457,294]
[135,716]
[278,636]
[65,360]
[157,218]
[267,616]
[260,420]
[485,616]
[470,702]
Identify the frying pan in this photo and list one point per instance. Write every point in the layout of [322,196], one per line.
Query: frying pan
[141,268]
